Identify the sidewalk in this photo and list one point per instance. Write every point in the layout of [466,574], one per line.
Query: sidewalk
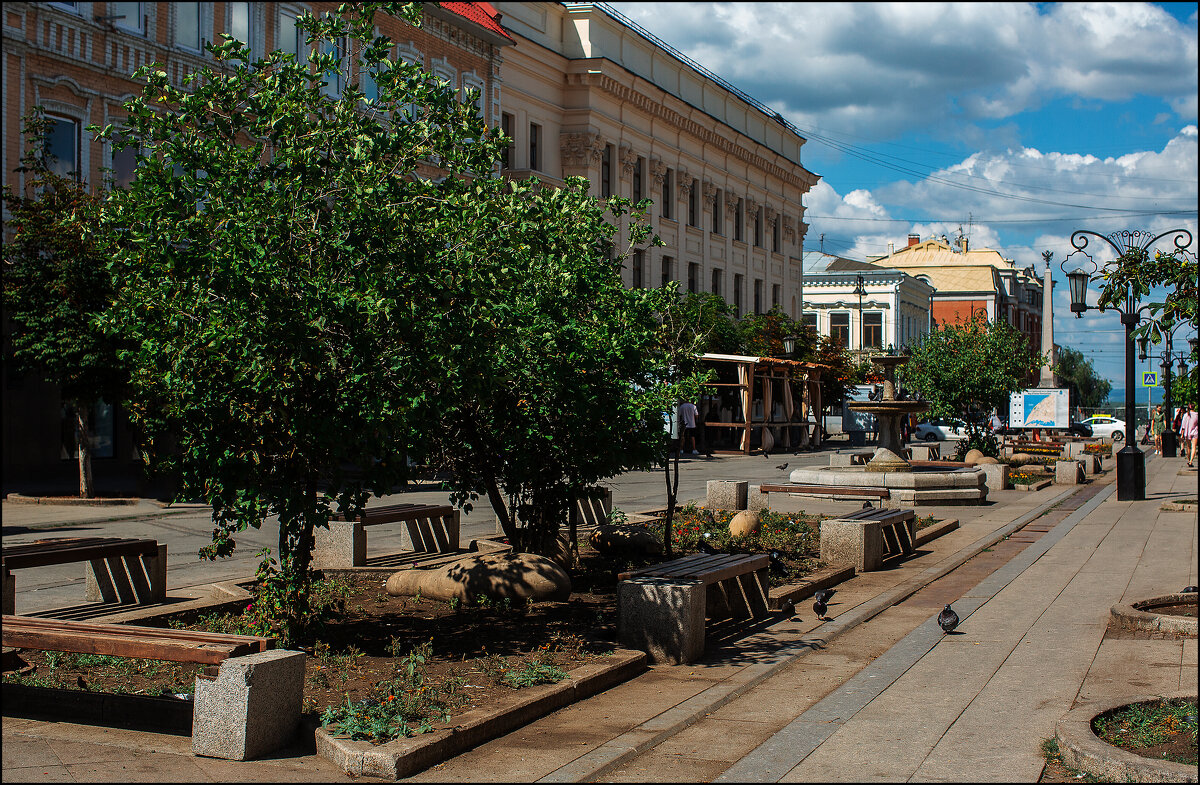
[910,703]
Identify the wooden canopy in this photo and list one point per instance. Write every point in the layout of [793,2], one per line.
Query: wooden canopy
[760,403]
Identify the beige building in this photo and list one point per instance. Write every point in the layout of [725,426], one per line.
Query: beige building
[585,92]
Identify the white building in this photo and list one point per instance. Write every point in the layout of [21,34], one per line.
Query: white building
[586,92]
[894,308]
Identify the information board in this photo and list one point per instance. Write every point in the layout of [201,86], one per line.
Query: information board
[1039,408]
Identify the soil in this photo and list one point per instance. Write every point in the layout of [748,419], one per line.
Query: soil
[1179,609]
[1179,744]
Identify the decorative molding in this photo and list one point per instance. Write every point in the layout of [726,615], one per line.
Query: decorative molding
[580,149]
[731,205]
[709,192]
[658,170]
[628,158]
[789,229]
[685,186]
[770,215]
[751,208]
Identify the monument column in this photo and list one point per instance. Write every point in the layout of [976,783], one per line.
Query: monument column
[1047,378]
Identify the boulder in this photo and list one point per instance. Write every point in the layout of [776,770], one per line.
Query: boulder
[972,457]
[611,540]
[744,523]
[986,460]
[517,576]
[1021,458]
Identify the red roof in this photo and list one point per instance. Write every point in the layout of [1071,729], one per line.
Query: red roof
[482,14]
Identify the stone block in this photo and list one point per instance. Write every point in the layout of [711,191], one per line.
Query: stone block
[859,543]
[995,475]
[756,500]
[1075,449]
[925,452]
[1091,463]
[127,579]
[343,544]
[593,508]
[727,494]
[251,708]
[662,617]
[9,603]
[841,459]
[1068,472]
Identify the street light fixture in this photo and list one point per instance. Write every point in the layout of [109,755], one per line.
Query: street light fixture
[1131,462]
[1166,357]
[860,291]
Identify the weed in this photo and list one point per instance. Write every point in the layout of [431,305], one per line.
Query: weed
[1053,755]
[454,604]
[533,672]
[1147,724]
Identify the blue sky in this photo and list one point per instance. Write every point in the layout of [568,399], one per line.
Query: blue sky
[1018,123]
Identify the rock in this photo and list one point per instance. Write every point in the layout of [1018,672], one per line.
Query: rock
[562,551]
[972,457]
[518,576]
[986,460]
[625,540]
[744,523]
[1020,458]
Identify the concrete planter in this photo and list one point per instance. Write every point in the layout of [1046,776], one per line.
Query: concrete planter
[1082,749]
[1141,615]
[1036,486]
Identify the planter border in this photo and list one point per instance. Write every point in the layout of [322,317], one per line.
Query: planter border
[1133,618]
[1082,749]
[1033,486]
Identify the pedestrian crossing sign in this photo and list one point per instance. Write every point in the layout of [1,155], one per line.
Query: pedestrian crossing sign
[1149,378]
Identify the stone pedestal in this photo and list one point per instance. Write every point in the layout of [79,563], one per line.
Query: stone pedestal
[251,708]
[1091,463]
[1068,472]
[925,452]
[727,494]
[996,475]
[662,617]
[859,543]
[343,544]
[756,500]
[128,579]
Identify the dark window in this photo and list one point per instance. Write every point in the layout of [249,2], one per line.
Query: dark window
[693,200]
[758,219]
[606,172]
[535,143]
[128,15]
[757,296]
[668,210]
[775,236]
[737,296]
[506,125]
[62,145]
[873,330]
[639,263]
[809,319]
[638,165]
[716,282]
[716,216]
[240,24]
[774,295]
[693,278]
[839,328]
[737,221]
[668,270]
[187,25]
[124,164]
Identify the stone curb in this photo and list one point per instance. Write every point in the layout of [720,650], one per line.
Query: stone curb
[1179,506]
[1033,486]
[931,533]
[619,751]
[821,579]
[1132,618]
[1082,749]
[406,756]
[71,501]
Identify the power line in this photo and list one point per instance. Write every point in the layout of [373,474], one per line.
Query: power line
[993,221]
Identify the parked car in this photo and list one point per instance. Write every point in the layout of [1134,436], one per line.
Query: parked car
[1106,426]
[939,429]
[1080,429]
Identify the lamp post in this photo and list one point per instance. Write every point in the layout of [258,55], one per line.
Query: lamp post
[860,291]
[1131,462]
[1166,357]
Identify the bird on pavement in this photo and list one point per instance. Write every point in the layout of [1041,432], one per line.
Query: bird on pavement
[947,619]
[766,455]
[866,505]
[1189,590]
[704,547]
[822,601]
[781,466]
[788,609]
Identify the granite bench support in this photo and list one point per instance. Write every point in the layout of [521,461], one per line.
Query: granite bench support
[865,538]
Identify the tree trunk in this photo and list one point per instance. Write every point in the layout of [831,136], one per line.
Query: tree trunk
[672,495]
[497,501]
[83,444]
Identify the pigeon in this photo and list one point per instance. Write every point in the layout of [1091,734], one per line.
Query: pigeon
[781,466]
[766,455]
[866,505]
[788,609]
[947,619]
[704,547]
[1189,590]
[822,600]
[776,561]
[824,595]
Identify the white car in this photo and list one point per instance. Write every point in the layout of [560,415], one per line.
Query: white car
[940,429]
[1106,427]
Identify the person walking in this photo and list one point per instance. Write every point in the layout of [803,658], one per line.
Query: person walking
[1189,428]
[687,418]
[1158,424]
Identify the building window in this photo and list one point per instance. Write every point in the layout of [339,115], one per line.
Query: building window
[72,7]
[775,295]
[668,270]
[873,330]
[809,320]
[334,78]
[639,262]
[240,26]
[124,164]
[775,236]
[737,296]
[506,125]
[667,200]
[62,147]
[716,216]
[606,171]
[693,278]
[535,147]
[716,282]
[638,165]
[693,201]
[758,219]
[839,328]
[128,16]
[757,296]
[737,220]
[291,38]
[187,25]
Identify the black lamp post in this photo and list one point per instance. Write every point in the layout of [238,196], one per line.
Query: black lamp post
[1131,462]
[1166,357]
[860,291]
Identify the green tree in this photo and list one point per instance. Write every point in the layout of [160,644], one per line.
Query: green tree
[966,370]
[1084,387]
[1137,272]
[56,285]
[283,266]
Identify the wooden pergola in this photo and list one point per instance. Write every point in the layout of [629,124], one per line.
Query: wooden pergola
[760,403]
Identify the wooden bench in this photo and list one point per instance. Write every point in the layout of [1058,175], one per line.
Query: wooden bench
[850,457]
[118,568]
[429,528]
[247,699]
[866,537]
[662,608]
[826,490]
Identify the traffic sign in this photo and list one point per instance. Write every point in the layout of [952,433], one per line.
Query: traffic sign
[1149,378]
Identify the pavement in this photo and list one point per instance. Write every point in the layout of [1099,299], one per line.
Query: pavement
[878,693]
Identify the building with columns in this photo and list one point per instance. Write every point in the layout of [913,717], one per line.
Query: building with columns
[588,93]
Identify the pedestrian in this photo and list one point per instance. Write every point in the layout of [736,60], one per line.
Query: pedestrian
[687,417]
[1158,424]
[1189,428]
[1175,428]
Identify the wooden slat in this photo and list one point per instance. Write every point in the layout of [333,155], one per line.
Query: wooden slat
[709,568]
[125,641]
[43,553]
[400,512]
[58,625]
[825,489]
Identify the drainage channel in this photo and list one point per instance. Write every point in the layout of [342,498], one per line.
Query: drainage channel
[617,753]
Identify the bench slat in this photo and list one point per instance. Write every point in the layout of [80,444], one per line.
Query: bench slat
[825,489]
[399,512]
[125,641]
[68,550]
[710,568]
[56,625]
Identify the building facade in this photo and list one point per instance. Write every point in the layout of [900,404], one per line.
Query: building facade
[75,61]
[893,310]
[587,93]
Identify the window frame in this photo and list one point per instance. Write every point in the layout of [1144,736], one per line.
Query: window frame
[666,210]
[535,141]
[606,159]
[178,9]
[693,203]
[76,173]
[140,29]
[836,328]
[868,326]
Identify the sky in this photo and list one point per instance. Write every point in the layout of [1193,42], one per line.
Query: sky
[1014,124]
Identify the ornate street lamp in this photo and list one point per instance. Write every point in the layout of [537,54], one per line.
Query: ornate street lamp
[1166,357]
[1131,462]
[860,291]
